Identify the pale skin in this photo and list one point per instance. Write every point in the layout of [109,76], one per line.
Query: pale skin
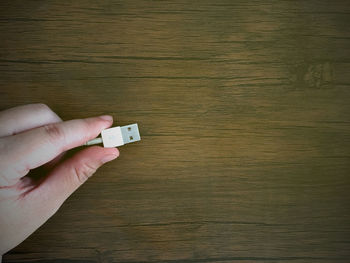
[32,136]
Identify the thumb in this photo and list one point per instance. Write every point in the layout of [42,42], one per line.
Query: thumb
[71,174]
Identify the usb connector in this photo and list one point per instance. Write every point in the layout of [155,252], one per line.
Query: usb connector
[130,133]
[117,136]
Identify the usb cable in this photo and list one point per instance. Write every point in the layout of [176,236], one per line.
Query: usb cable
[117,136]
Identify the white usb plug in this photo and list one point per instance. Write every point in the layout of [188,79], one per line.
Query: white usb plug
[117,136]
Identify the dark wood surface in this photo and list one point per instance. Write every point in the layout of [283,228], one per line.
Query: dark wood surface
[244,113]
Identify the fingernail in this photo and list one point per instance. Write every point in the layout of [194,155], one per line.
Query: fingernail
[106,117]
[108,158]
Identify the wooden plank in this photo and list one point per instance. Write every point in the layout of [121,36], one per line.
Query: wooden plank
[243,108]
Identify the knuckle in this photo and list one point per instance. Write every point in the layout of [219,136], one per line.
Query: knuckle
[46,110]
[87,126]
[54,132]
[42,107]
[83,172]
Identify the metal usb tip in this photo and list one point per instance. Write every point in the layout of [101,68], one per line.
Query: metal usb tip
[130,133]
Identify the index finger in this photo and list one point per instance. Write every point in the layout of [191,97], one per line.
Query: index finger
[25,117]
[38,146]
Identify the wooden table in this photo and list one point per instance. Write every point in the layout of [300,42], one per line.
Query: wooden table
[244,113]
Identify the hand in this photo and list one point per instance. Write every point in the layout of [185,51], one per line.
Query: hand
[31,136]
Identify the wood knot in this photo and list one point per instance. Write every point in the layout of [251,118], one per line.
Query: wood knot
[318,75]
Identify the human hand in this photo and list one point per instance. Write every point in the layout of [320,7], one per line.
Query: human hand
[32,136]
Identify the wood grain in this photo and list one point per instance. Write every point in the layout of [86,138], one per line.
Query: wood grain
[244,112]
